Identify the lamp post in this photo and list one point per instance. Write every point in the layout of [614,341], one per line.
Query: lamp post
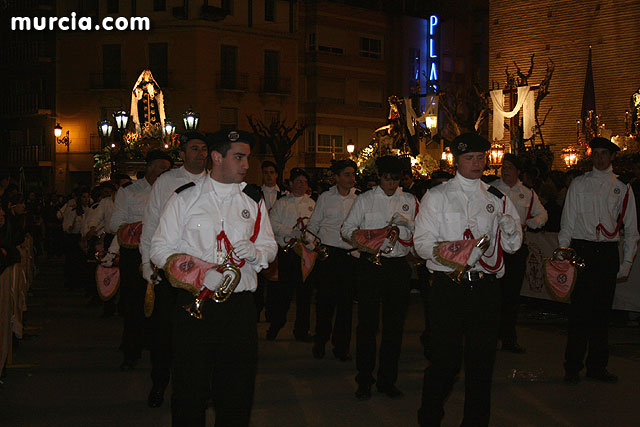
[63,140]
[121,118]
[570,156]
[167,132]
[495,155]
[351,147]
[191,119]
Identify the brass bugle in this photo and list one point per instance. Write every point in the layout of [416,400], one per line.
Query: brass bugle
[392,235]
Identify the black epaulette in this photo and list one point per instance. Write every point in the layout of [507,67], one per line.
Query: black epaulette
[280,195]
[126,184]
[493,190]
[95,205]
[358,192]
[184,187]
[254,191]
[624,179]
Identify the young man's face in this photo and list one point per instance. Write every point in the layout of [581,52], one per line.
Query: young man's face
[471,165]
[194,155]
[601,158]
[389,183]
[346,178]
[269,176]
[232,168]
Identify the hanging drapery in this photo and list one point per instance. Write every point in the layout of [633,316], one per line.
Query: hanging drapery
[526,102]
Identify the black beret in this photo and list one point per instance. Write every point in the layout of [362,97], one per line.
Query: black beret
[230,136]
[389,164]
[469,143]
[599,142]
[189,135]
[513,159]
[343,164]
[296,172]
[158,155]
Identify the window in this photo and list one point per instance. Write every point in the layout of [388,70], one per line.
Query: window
[227,6]
[271,71]
[228,60]
[370,94]
[159,5]
[370,48]
[113,6]
[330,143]
[111,66]
[271,116]
[158,62]
[331,91]
[270,10]
[329,49]
[228,118]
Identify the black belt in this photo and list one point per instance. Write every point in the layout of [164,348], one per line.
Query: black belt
[470,276]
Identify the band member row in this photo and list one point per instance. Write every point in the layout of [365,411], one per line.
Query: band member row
[464,310]
[193,151]
[533,216]
[336,275]
[128,209]
[217,218]
[289,216]
[597,207]
[386,284]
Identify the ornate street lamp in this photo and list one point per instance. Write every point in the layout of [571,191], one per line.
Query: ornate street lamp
[191,119]
[105,128]
[351,147]
[496,154]
[570,156]
[122,119]
[169,128]
[447,156]
[63,140]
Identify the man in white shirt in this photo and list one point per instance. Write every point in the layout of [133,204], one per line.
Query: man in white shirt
[533,216]
[597,205]
[286,217]
[129,206]
[336,275]
[386,284]
[193,152]
[464,316]
[220,215]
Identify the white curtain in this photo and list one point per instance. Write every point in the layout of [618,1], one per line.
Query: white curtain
[526,102]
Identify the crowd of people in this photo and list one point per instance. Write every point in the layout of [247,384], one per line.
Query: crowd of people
[199,231]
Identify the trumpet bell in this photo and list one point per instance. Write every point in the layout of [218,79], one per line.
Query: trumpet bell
[194,309]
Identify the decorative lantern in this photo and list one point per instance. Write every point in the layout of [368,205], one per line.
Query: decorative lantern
[570,156]
[105,128]
[191,119]
[122,118]
[496,154]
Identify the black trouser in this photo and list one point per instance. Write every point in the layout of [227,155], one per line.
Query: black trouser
[259,296]
[510,285]
[74,261]
[386,285]
[132,290]
[590,307]
[290,281]
[165,298]
[336,285]
[215,357]
[461,313]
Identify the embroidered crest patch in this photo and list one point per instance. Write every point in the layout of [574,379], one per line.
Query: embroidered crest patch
[616,190]
[490,208]
[233,136]
[405,207]
[462,146]
[521,195]
[245,214]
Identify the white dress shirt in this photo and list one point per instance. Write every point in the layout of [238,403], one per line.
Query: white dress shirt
[373,210]
[330,212]
[285,213]
[100,216]
[161,191]
[193,218]
[596,198]
[130,203]
[448,209]
[270,195]
[520,196]
[71,221]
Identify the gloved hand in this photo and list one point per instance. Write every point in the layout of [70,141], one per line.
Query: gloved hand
[147,272]
[386,246]
[107,260]
[508,225]
[245,249]
[294,234]
[475,256]
[212,279]
[402,221]
[624,270]
[531,224]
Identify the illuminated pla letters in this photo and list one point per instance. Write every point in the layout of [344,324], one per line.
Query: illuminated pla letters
[432,62]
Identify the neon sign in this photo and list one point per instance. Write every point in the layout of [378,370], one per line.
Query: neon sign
[432,59]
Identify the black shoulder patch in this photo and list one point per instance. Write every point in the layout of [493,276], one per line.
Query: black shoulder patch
[95,205]
[624,179]
[126,184]
[254,191]
[493,190]
[281,195]
[184,187]
[358,192]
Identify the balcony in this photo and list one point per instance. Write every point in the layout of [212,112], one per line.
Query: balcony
[25,155]
[277,86]
[27,104]
[232,81]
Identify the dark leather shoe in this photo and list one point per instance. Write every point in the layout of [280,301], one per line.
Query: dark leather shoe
[392,391]
[272,334]
[572,378]
[514,348]
[318,350]
[342,356]
[363,392]
[156,397]
[603,375]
